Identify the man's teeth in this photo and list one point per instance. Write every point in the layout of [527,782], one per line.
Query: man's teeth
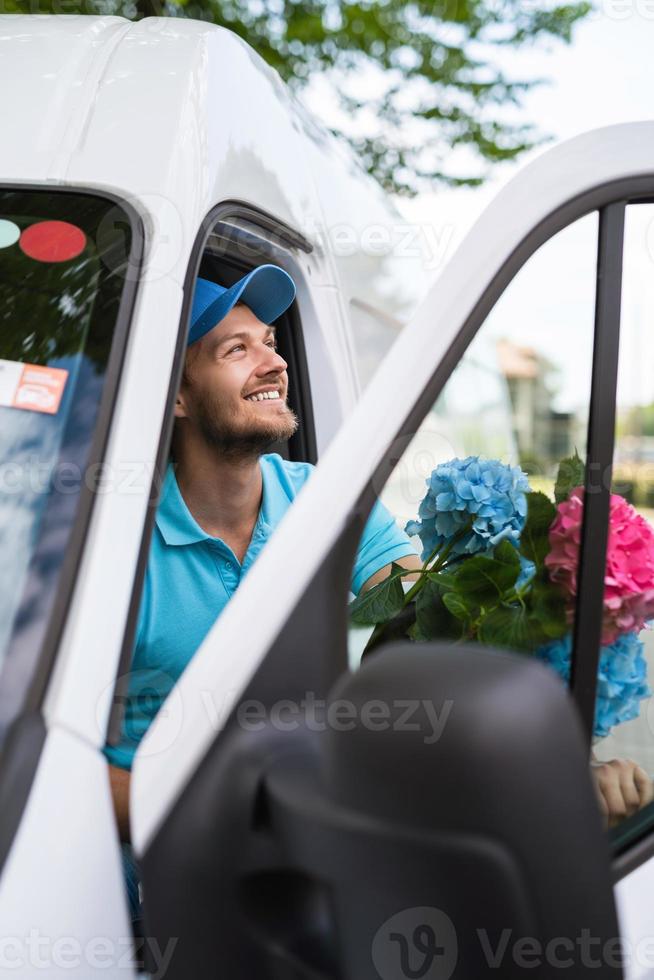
[262,395]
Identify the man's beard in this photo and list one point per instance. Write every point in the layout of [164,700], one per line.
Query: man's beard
[238,439]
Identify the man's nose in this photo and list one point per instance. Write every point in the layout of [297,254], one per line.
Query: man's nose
[272,361]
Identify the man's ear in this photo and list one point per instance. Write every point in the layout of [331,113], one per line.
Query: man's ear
[181,411]
[181,402]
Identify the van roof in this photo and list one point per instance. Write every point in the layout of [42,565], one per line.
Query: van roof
[162,108]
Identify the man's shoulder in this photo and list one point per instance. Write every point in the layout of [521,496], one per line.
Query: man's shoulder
[291,474]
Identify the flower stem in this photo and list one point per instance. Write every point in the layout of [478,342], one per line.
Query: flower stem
[377,632]
[438,564]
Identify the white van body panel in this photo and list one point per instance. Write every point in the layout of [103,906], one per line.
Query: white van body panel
[383,264]
[633,897]
[81,688]
[208,122]
[62,900]
[52,67]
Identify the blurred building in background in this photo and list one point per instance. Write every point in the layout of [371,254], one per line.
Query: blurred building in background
[543,435]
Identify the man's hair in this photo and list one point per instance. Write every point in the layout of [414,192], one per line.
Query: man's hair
[190,356]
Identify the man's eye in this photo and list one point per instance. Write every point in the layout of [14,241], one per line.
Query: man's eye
[232,349]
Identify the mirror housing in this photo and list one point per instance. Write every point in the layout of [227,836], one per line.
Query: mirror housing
[439,821]
[494,779]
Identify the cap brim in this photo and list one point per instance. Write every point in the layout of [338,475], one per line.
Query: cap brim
[268,291]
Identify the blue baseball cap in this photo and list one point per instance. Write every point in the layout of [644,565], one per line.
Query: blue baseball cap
[268,291]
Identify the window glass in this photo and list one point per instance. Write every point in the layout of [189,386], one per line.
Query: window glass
[63,259]
[624,717]
[476,488]
[221,438]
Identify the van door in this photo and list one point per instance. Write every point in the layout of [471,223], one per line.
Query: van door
[247,828]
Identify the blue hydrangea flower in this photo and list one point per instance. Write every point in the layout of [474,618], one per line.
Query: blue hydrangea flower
[621,678]
[490,493]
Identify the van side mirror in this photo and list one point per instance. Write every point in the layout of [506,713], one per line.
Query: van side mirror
[489,814]
[441,822]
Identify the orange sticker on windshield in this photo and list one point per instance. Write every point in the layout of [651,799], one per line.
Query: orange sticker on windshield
[31,386]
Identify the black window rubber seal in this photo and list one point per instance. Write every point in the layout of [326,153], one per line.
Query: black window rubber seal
[599,464]
[275,231]
[278,232]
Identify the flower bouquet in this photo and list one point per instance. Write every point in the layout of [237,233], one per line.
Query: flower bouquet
[500,568]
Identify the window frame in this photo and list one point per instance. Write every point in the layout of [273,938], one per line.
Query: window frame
[59,610]
[599,458]
[274,232]
[25,731]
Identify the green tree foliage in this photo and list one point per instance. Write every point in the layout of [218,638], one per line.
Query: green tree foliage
[415,80]
[637,421]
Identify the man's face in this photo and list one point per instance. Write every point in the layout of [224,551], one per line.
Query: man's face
[224,369]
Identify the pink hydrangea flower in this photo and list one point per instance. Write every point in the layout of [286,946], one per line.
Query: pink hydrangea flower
[629,578]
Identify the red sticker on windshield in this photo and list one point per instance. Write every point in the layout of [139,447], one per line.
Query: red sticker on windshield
[52,241]
[31,386]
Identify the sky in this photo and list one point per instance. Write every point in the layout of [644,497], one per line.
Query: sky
[605,76]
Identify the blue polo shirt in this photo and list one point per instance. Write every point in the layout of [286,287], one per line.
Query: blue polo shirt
[191,577]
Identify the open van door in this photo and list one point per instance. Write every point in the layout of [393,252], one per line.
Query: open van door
[296,817]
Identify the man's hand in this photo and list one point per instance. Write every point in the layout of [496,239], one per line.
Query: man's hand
[119,780]
[623,788]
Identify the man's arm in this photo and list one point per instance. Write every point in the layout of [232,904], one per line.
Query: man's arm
[119,781]
[409,561]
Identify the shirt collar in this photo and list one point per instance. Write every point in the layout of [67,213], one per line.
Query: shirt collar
[177,524]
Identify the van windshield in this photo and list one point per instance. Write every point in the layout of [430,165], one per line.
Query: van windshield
[63,293]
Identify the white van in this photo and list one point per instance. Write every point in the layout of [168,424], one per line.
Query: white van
[133,157]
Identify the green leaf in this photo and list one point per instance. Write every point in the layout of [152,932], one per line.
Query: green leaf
[455,604]
[511,628]
[487,579]
[381,602]
[534,540]
[507,554]
[572,473]
[548,608]
[445,580]
[398,628]
[434,619]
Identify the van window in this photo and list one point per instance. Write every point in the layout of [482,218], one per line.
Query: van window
[516,405]
[63,258]
[624,712]
[154,657]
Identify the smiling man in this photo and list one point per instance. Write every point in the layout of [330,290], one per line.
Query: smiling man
[223,496]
